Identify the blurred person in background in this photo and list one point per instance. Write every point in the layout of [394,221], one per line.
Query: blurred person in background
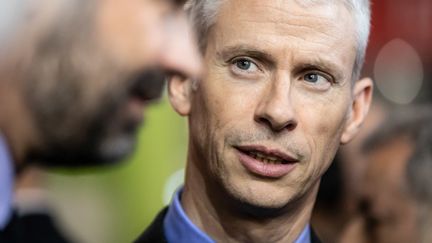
[75,77]
[387,208]
[280,93]
[419,173]
[340,189]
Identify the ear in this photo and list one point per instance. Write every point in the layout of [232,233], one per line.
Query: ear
[362,93]
[179,94]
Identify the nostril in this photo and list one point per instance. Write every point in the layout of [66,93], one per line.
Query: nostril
[264,121]
[289,125]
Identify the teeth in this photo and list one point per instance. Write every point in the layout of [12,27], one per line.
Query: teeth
[266,159]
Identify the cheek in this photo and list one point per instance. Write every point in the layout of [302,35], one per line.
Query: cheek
[322,120]
[228,101]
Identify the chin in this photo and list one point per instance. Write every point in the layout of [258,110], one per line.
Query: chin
[261,207]
[260,198]
[111,151]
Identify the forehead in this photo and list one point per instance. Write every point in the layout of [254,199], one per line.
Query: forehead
[283,26]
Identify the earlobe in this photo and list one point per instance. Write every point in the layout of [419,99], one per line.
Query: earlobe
[179,93]
[362,94]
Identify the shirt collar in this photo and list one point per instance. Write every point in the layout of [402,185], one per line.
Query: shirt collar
[305,236]
[6,184]
[179,228]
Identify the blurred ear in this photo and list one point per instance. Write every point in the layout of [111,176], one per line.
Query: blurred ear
[362,93]
[179,94]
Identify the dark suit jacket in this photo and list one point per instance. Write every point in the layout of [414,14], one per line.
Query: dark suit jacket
[33,228]
[155,232]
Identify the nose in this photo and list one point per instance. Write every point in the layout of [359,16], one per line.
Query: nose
[275,109]
[180,53]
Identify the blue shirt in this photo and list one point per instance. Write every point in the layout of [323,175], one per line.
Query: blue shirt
[6,184]
[179,228]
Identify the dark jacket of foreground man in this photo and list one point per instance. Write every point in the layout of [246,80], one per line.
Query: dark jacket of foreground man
[155,232]
[34,228]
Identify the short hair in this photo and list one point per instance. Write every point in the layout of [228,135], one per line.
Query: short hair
[203,15]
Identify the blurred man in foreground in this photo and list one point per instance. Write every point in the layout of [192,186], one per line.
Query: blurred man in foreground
[280,93]
[75,77]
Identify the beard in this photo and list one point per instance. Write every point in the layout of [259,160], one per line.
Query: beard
[89,131]
[78,97]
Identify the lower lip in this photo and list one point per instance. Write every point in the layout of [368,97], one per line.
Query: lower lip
[265,169]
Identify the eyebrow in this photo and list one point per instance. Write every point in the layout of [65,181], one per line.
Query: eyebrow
[318,63]
[176,3]
[247,50]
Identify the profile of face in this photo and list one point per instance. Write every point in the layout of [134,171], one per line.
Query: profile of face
[388,209]
[93,71]
[276,100]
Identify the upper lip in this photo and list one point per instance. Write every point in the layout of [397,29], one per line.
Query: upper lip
[267,151]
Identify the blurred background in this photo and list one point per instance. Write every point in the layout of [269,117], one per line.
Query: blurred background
[116,204]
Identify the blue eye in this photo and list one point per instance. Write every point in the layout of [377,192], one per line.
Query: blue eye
[311,77]
[243,64]
[315,78]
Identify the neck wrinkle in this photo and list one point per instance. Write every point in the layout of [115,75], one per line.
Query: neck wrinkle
[214,212]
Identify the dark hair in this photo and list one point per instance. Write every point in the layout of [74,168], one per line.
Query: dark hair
[407,121]
[419,171]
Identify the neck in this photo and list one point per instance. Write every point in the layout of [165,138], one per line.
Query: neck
[225,219]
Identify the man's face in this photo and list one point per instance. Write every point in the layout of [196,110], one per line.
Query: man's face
[388,209]
[92,75]
[276,98]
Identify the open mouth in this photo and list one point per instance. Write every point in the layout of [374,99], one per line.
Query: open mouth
[266,155]
[268,159]
[266,162]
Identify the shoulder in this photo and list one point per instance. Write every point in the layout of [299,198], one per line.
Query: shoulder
[155,232]
[35,227]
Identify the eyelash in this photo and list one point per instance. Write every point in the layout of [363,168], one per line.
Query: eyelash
[327,76]
[244,73]
[235,60]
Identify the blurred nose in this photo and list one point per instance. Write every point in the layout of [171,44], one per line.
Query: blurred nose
[275,109]
[180,53]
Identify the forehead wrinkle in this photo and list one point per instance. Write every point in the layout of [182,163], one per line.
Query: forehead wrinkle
[294,24]
[303,25]
[291,30]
